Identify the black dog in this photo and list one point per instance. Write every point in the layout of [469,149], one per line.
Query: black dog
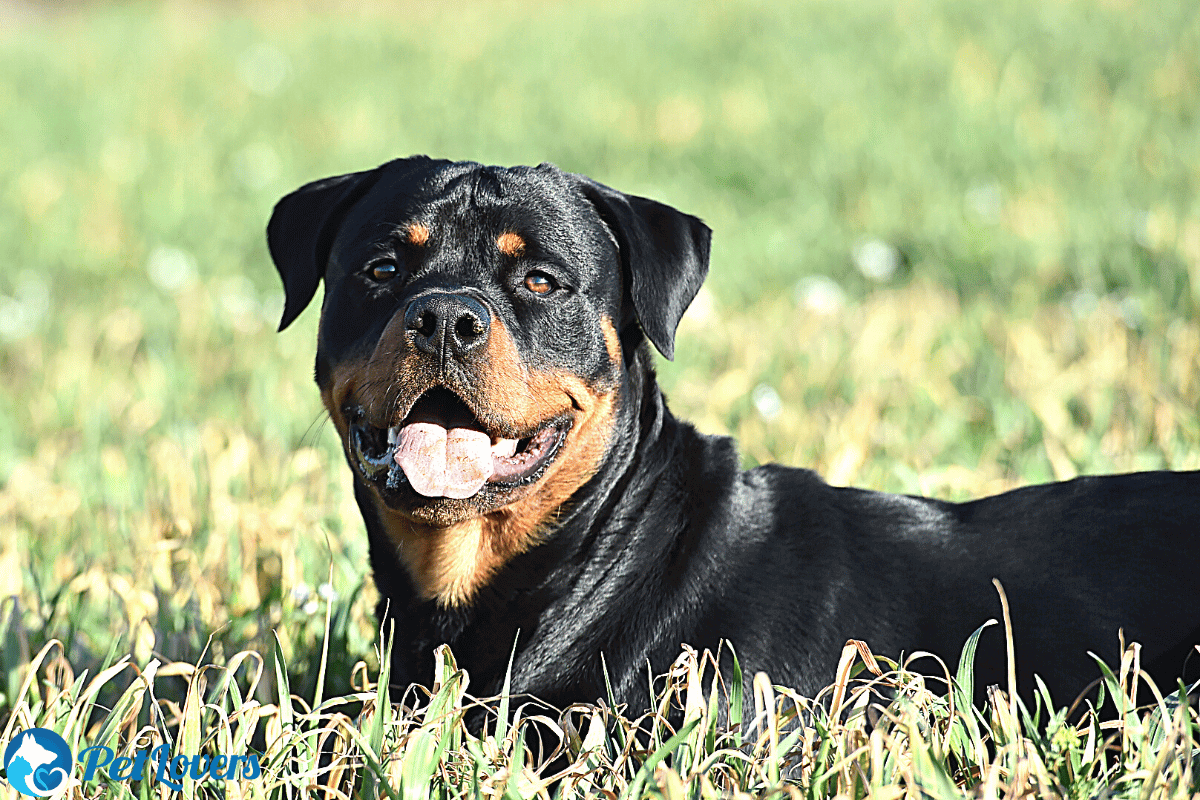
[482,354]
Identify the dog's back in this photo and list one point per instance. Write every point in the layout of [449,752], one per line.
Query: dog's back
[1082,563]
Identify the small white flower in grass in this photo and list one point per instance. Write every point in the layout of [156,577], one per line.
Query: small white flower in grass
[170,268]
[820,294]
[264,68]
[1132,313]
[327,592]
[702,312]
[876,259]
[986,202]
[301,593]
[271,306]
[1083,303]
[21,313]
[766,401]
[239,301]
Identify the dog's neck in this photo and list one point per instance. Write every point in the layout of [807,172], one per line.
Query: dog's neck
[634,522]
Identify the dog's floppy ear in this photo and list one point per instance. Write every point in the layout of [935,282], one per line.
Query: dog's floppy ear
[664,257]
[301,233]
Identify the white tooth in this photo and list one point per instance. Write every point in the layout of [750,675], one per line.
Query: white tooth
[504,448]
[393,434]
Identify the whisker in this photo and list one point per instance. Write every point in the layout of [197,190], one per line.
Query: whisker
[313,434]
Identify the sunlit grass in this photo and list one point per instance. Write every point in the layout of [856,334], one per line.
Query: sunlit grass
[957,250]
[881,730]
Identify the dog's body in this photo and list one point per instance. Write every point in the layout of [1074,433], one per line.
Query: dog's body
[482,354]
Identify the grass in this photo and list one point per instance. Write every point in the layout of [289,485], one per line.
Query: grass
[957,250]
[881,730]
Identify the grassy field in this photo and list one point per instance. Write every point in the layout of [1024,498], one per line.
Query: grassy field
[957,249]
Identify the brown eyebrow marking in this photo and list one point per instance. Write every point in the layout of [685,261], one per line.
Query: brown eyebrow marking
[418,233]
[511,244]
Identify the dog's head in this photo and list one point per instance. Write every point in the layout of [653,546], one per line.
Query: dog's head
[475,325]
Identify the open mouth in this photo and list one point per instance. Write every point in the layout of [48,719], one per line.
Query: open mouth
[440,449]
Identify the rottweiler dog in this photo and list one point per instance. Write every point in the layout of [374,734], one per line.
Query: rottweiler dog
[483,354]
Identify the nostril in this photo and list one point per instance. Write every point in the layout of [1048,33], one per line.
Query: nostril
[469,327]
[425,324]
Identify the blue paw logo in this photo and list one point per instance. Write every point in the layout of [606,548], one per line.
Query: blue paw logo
[38,762]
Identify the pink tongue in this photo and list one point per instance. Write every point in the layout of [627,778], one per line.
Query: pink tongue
[444,463]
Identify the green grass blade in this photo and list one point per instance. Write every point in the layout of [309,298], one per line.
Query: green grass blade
[634,790]
[502,712]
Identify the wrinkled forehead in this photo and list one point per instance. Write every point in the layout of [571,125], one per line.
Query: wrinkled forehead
[458,204]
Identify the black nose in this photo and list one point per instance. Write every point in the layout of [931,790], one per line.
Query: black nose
[440,322]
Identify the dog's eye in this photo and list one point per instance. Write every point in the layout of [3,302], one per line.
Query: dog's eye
[540,283]
[384,270]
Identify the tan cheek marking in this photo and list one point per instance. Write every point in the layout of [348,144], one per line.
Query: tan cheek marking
[522,524]
[418,233]
[371,378]
[527,398]
[344,379]
[511,244]
[612,340]
[513,393]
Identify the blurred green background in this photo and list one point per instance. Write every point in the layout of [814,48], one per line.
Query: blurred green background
[957,249]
